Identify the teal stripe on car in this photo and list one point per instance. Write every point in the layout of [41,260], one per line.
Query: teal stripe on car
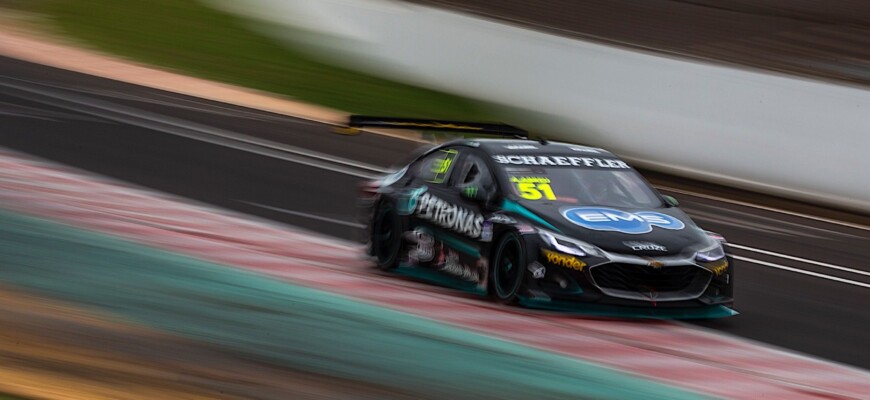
[517,208]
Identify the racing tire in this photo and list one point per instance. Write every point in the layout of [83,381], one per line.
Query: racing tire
[386,240]
[507,272]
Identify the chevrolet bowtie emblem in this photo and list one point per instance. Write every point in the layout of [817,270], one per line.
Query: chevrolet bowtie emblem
[654,263]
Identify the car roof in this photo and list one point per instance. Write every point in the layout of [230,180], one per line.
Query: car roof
[527,147]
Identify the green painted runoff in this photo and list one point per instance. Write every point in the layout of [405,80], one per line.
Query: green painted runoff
[292,326]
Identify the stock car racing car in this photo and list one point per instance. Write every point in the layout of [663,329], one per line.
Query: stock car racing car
[544,224]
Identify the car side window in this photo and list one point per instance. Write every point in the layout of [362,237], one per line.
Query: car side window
[436,167]
[475,172]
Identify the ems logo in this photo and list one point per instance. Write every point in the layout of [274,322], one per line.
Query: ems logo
[608,219]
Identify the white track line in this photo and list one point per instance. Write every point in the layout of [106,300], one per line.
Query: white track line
[744,223]
[304,215]
[339,160]
[803,260]
[760,207]
[173,126]
[246,143]
[721,209]
[800,271]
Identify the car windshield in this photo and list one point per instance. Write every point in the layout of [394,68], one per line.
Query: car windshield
[602,187]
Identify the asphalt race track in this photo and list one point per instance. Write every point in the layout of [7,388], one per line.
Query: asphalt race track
[803,281]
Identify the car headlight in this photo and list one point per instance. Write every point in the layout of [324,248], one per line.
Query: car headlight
[710,254]
[568,245]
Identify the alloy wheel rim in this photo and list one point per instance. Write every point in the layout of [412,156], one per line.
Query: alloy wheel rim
[506,271]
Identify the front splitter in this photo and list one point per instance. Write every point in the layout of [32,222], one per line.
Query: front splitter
[598,310]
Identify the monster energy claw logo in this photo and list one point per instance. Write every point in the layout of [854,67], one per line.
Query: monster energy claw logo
[470,191]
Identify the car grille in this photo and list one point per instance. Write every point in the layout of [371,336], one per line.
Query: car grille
[677,282]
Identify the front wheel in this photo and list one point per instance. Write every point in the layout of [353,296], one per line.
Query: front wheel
[386,236]
[507,270]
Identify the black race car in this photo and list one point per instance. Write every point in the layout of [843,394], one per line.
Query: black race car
[543,224]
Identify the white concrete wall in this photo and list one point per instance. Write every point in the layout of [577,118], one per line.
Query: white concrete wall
[783,135]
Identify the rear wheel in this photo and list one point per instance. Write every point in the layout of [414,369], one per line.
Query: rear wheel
[386,236]
[507,271]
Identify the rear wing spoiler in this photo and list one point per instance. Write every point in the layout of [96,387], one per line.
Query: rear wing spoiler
[363,121]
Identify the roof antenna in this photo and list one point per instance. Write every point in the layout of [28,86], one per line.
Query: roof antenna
[542,140]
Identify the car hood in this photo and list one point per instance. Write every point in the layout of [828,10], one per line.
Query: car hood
[636,231]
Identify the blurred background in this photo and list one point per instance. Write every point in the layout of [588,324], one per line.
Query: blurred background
[178,213]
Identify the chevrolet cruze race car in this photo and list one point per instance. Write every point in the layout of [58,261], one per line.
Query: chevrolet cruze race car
[543,224]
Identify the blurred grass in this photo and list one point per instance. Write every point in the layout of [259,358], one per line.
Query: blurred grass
[187,36]
[10,397]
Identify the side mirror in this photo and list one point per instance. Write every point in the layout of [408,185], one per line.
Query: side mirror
[671,200]
[475,192]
